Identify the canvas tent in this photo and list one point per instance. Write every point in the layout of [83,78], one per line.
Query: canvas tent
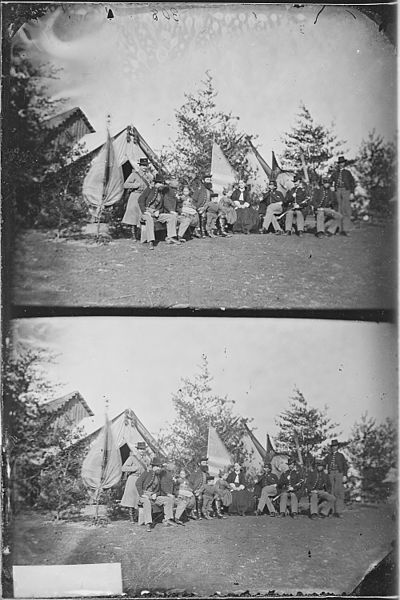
[127,430]
[128,148]
[257,454]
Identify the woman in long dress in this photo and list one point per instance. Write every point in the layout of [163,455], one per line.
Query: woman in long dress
[136,183]
[134,466]
[242,499]
[247,217]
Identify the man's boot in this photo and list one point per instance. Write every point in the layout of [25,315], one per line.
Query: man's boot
[132,515]
[134,233]
[202,226]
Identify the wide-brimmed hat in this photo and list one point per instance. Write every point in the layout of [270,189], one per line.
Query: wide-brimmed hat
[143,162]
[173,183]
[272,182]
[156,462]
[141,445]
[334,443]
[207,176]
[341,159]
[298,177]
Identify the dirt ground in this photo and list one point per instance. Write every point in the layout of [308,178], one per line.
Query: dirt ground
[253,272]
[235,555]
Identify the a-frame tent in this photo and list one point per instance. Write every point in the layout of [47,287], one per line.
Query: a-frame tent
[127,430]
[129,147]
[257,453]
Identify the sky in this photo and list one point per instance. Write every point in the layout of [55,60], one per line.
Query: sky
[265,60]
[139,362]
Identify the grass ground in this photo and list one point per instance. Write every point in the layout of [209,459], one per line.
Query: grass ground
[239,554]
[253,272]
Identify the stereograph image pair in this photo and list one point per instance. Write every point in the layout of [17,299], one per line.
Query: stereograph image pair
[185,188]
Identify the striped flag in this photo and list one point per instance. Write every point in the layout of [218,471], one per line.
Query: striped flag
[222,172]
[218,456]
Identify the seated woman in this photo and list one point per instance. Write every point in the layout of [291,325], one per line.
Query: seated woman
[242,499]
[247,217]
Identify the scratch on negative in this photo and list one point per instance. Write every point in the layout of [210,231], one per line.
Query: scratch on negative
[319,12]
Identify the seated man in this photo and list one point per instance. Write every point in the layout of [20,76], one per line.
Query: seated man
[318,487]
[151,203]
[197,481]
[270,206]
[149,489]
[324,202]
[289,486]
[268,482]
[184,497]
[295,205]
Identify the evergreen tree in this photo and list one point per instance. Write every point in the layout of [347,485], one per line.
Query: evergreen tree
[376,169]
[41,460]
[372,449]
[309,427]
[196,408]
[317,143]
[199,122]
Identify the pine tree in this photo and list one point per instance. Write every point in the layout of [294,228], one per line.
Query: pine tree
[317,143]
[376,169]
[372,449]
[311,427]
[196,408]
[199,122]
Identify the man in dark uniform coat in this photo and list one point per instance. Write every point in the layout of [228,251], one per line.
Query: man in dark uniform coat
[151,203]
[345,185]
[201,197]
[270,206]
[268,483]
[197,481]
[324,202]
[318,487]
[295,205]
[149,488]
[290,485]
[337,471]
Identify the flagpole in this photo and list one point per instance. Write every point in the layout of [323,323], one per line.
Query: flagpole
[99,212]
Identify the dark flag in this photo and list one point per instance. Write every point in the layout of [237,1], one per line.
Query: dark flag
[275,167]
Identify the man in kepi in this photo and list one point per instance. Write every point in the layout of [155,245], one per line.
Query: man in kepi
[324,203]
[151,203]
[337,471]
[270,206]
[268,482]
[345,185]
[295,205]
[318,487]
[149,489]
[289,485]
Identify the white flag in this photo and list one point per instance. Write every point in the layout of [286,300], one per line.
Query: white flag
[222,172]
[218,456]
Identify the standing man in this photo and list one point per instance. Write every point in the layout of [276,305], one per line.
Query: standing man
[201,197]
[134,466]
[270,206]
[149,489]
[345,185]
[268,482]
[318,486]
[337,471]
[290,484]
[296,201]
[324,201]
[197,481]
[151,203]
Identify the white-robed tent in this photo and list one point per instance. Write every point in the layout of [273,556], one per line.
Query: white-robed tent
[127,430]
[128,147]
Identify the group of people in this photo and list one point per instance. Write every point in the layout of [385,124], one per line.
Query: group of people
[201,212]
[156,487]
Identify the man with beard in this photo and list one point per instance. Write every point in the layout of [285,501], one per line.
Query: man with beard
[295,204]
[201,198]
[345,185]
[151,203]
[270,206]
[337,471]
[318,487]
[323,200]
[290,483]
[197,481]
[136,183]
[149,489]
